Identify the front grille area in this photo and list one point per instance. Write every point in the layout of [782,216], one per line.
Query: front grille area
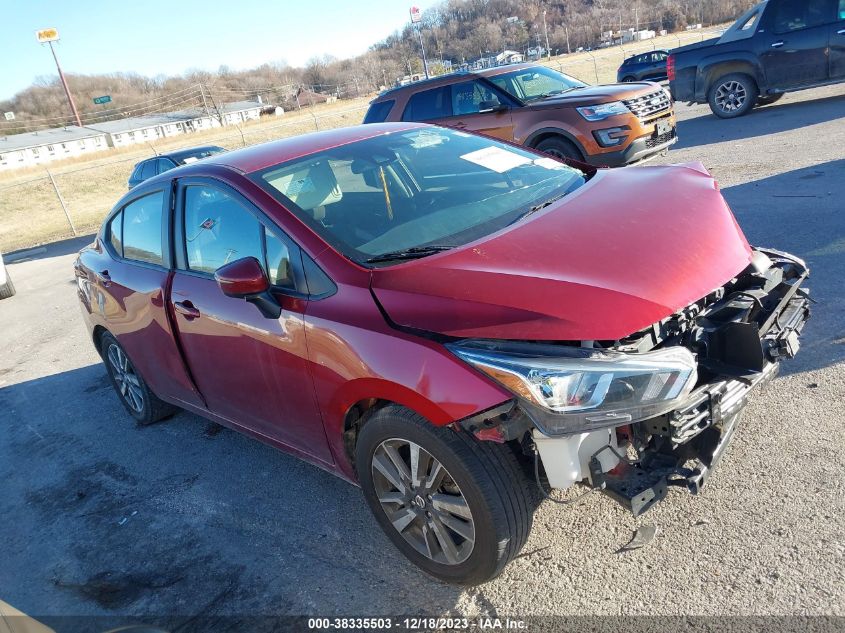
[649,105]
[655,141]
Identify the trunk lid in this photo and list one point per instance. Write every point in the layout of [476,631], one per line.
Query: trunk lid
[629,248]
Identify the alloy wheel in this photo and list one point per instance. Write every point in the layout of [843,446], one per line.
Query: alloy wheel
[423,501]
[128,383]
[731,96]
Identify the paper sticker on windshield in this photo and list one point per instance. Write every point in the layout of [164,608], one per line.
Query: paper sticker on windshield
[496,159]
[549,163]
[190,159]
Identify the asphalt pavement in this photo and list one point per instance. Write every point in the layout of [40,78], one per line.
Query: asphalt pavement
[184,518]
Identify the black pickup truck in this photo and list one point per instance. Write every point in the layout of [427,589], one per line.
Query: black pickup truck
[778,46]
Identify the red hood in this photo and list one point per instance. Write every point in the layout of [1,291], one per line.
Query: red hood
[627,249]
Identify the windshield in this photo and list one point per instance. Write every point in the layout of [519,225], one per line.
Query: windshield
[424,189]
[534,83]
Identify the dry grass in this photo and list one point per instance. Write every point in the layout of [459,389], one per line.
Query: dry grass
[30,212]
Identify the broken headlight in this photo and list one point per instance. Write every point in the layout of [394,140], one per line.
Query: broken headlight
[572,389]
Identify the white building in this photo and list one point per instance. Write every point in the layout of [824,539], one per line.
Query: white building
[44,146]
[143,129]
[33,148]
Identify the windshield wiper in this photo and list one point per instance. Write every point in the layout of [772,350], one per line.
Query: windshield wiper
[409,253]
[540,206]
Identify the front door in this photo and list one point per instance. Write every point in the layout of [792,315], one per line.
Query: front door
[471,112]
[795,43]
[250,369]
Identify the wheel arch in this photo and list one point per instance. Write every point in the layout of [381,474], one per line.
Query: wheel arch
[713,70]
[540,135]
[97,335]
[364,397]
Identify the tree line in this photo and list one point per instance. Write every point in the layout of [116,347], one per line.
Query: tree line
[456,31]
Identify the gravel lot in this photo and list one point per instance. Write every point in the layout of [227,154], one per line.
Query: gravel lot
[186,518]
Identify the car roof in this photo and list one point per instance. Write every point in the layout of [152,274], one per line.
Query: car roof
[183,153]
[264,155]
[445,80]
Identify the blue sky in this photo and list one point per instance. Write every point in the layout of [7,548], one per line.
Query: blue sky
[171,36]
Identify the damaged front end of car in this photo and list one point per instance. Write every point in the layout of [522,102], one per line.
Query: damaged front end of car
[633,417]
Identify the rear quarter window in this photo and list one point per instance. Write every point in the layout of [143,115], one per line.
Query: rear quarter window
[142,229]
[429,104]
[378,112]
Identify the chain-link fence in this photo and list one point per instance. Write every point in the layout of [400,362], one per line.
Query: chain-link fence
[599,66]
[72,199]
[64,201]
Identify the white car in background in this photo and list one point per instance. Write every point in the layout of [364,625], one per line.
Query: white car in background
[7,288]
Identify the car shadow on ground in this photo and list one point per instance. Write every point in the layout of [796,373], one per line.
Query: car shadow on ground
[707,129]
[800,212]
[46,251]
[180,520]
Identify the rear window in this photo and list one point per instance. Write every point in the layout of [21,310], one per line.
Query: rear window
[428,105]
[149,170]
[378,111]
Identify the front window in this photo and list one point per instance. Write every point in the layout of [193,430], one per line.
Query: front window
[411,193]
[538,82]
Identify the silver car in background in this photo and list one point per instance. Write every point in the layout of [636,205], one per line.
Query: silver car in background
[7,288]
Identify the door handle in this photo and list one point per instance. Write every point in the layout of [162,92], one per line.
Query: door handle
[777,44]
[187,308]
[460,124]
[103,277]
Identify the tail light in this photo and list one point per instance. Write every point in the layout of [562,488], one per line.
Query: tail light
[670,67]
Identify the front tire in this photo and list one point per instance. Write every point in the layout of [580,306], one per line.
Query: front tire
[732,96]
[629,79]
[559,147]
[456,507]
[141,403]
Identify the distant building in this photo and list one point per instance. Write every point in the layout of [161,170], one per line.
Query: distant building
[509,57]
[33,148]
[44,146]
[305,97]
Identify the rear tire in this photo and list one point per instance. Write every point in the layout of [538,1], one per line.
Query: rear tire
[732,96]
[141,403]
[7,289]
[559,147]
[463,527]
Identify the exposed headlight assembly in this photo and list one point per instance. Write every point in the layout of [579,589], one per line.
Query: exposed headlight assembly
[571,389]
[603,110]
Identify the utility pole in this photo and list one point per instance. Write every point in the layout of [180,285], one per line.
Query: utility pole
[204,102]
[546,30]
[415,19]
[48,36]
[566,30]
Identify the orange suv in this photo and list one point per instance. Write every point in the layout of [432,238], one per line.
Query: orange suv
[532,105]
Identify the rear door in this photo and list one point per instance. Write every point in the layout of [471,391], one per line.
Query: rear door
[837,44]
[468,101]
[130,276]
[250,369]
[795,41]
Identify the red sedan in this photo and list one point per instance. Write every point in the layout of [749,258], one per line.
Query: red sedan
[446,320]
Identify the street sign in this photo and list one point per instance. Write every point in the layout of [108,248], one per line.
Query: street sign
[10,116]
[102,100]
[416,16]
[47,35]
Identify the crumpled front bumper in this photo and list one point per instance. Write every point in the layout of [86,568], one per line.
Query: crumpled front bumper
[690,441]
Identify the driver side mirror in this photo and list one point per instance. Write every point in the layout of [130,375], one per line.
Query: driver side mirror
[245,279]
[491,105]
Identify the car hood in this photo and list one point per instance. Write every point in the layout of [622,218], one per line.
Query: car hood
[629,248]
[596,94]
